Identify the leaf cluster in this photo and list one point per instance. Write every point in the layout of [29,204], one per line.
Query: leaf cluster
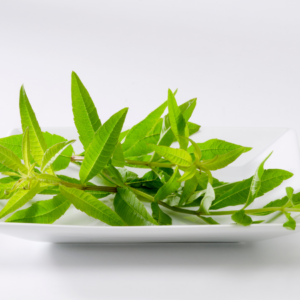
[178,172]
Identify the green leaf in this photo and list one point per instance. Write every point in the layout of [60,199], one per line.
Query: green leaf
[290,224]
[53,153]
[221,161]
[63,160]
[14,143]
[149,180]
[238,194]
[290,193]
[42,212]
[197,150]
[169,187]
[127,175]
[256,183]
[131,210]
[112,175]
[193,128]
[18,199]
[207,200]
[38,145]
[11,161]
[102,146]
[118,159]
[188,190]
[140,130]
[85,113]
[142,158]
[141,146]
[26,148]
[178,157]
[214,147]
[241,218]
[188,174]
[178,123]
[158,215]
[91,206]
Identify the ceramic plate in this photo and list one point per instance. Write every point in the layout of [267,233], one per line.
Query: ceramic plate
[76,227]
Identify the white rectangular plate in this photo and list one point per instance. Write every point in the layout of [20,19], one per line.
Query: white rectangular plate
[76,227]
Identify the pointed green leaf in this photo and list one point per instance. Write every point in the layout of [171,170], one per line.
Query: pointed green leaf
[188,174]
[214,147]
[18,199]
[37,142]
[159,216]
[177,121]
[11,161]
[140,130]
[53,153]
[207,200]
[221,161]
[276,203]
[42,212]
[290,224]
[256,183]
[112,174]
[197,150]
[241,218]
[188,190]
[118,159]
[176,156]
[85,113]
[131,210]
[91,206]
[141,146]
[169,187]
[26,148]
[238,194]
[290,193]
[102,146]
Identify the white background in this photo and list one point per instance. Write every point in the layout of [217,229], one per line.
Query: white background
[240,58]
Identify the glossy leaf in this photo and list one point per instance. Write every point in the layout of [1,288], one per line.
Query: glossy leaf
[18,199]
[238,194]
[241,218]
[85,113]
[26,148]
[214,147]
[140,130]
[207,200]
[90,205]
[161,217]
[176,156]
[131,210]
[53,153]
[102,146]
[177,121]
[11,161]
[221,161]
[169,187]
[256,183]
[38,145]
[42,212]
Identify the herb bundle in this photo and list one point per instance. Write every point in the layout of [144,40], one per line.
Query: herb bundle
[177,180]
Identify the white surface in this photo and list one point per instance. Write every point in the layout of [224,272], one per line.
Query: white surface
[286,155]
[240,58]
